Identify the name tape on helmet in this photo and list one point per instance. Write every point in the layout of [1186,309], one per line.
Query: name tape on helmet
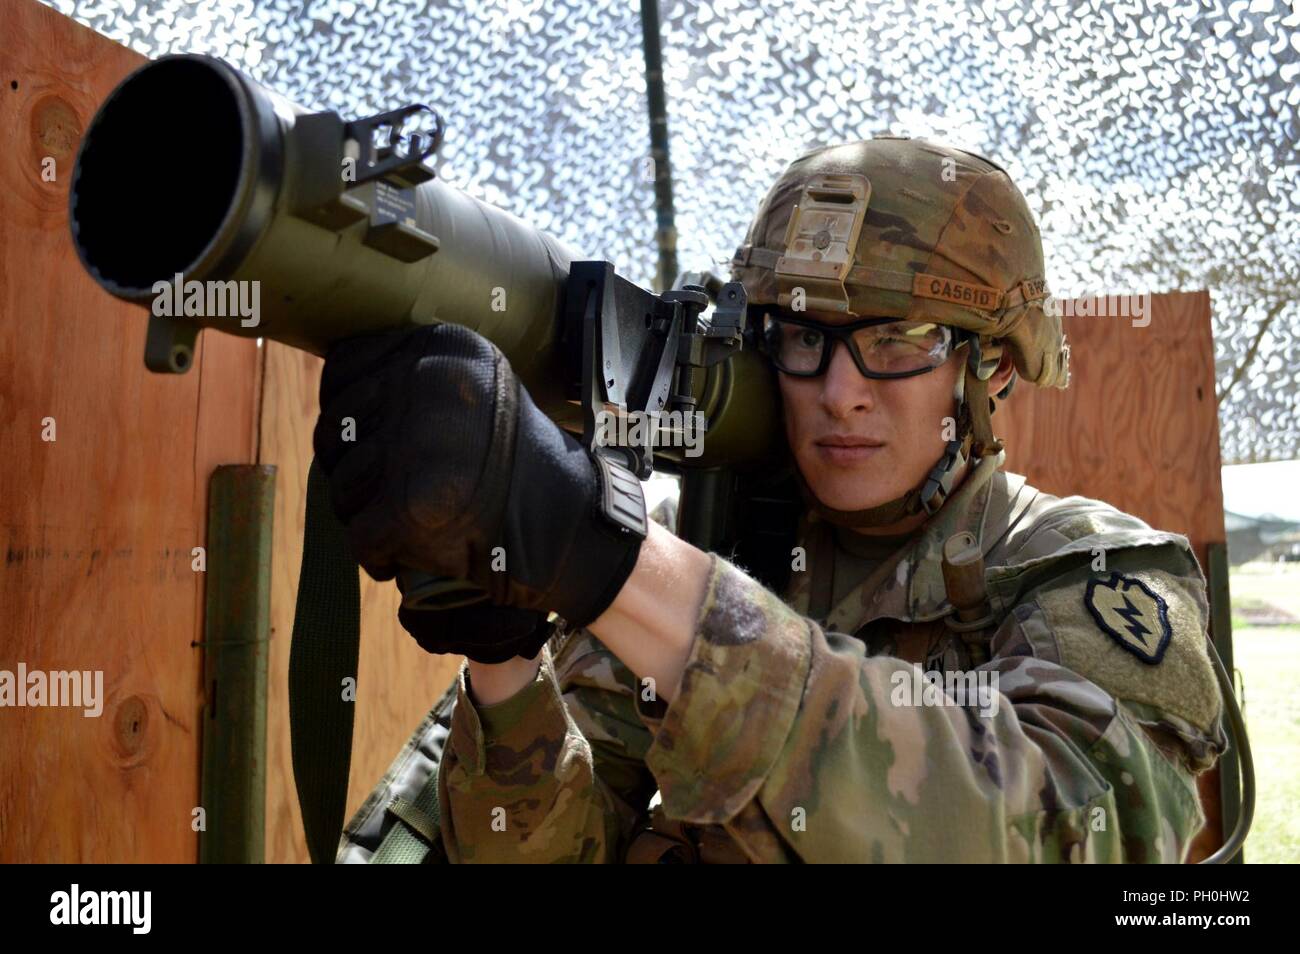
[983,297]
[1034,289]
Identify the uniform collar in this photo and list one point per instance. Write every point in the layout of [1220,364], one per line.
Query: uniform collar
[908,586]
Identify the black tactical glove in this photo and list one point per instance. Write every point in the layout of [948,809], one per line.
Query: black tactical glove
[451,469]
[484,632]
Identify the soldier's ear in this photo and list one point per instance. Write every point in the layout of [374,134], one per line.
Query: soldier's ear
[1004,378]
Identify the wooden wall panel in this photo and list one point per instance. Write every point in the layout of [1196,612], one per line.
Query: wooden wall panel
[97,525]
[398,682]
[1138,427]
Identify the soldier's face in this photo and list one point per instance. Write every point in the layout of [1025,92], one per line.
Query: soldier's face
[861,442]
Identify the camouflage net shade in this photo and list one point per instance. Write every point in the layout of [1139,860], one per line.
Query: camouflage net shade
[1155,142]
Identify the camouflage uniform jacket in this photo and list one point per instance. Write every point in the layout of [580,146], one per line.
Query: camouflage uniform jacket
[791,740]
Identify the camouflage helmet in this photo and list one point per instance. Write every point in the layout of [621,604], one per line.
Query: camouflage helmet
[907,228]
[896,227]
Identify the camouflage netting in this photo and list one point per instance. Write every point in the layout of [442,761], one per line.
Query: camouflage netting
[1158,147]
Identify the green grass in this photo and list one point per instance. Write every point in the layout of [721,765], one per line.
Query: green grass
[1268,659]
[1277,584]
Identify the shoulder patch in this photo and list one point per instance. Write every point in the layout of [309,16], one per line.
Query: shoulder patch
[1084,623]
[1132,614]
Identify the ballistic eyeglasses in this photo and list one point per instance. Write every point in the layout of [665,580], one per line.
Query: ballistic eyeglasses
[880,347]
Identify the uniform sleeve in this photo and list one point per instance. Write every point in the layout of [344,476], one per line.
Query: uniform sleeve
[805,749]
[556,773]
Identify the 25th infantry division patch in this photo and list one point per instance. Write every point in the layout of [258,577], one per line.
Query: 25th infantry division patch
[1130,613]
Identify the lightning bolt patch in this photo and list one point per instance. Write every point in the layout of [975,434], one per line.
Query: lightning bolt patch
[1132,614]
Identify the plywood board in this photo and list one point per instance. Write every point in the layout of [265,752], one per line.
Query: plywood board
[99,523]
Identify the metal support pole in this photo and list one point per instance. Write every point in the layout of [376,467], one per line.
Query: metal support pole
[1221,633]
[666,229]
[236,644]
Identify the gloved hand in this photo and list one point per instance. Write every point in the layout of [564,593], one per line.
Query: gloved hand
[484,632]
[453,470]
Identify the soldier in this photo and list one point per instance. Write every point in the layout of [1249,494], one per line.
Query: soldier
[896,285]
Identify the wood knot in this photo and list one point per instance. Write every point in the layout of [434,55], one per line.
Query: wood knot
[131,721]
[56,130]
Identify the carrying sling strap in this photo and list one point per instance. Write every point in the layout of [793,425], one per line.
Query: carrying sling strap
[324,651]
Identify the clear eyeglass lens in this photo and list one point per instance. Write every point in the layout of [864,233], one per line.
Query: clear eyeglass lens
[897,348]
[794,347]
[903,346]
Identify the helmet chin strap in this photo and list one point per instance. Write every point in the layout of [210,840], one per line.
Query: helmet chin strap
[974,438]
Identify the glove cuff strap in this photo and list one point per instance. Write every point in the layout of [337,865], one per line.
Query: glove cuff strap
[611,554]
[621,499]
